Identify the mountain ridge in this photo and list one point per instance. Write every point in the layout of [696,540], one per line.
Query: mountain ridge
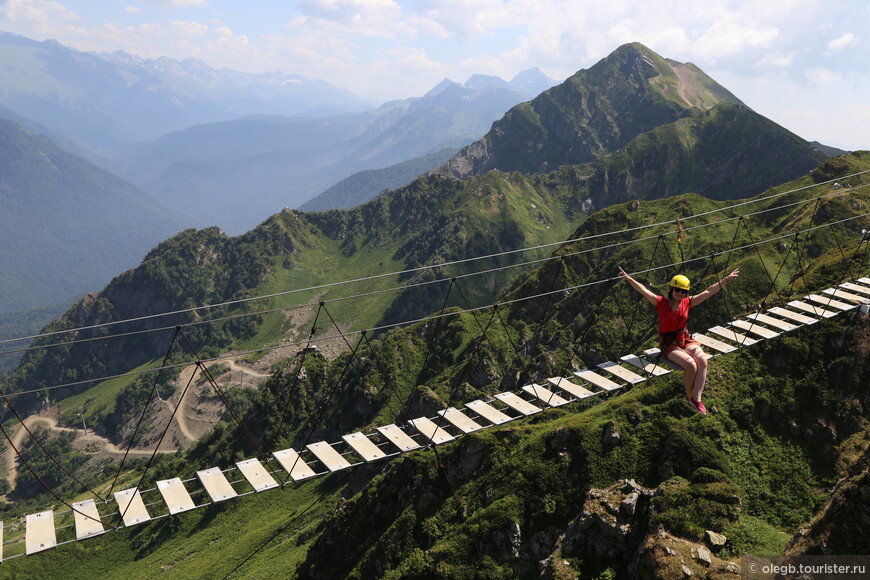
[579,121]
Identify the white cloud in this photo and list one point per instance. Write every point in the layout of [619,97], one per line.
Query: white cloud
[842,41]
[179,3]
[28,11]
[777,60]
[823,76]
[464,20]
[372,16]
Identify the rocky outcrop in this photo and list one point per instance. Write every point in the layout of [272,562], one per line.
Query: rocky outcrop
[613,530]
[661,555]
[607,520]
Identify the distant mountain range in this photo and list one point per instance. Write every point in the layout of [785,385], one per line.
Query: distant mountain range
[227,148]
[236,173]
[106,101]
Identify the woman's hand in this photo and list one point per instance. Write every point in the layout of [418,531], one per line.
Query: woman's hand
[732,275]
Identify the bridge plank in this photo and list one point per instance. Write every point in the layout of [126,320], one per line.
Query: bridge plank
[431,430]
[713,343]
[364,446]
[87,519]
[294,464]
[856,288]
[517,403]
[216,485]
[256,474]
[840,293]
[460,420]
[731,334]
[623,373]
[326,453]
[175,495]
[597,380]
[545,395]
[811,308]
[399,438]
[755,328]
[39,532]
[771,321]
[131,507]
[829,302]
[791,315]
[488,412]
[652,368]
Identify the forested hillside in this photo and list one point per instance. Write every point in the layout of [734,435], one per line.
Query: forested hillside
[625,484]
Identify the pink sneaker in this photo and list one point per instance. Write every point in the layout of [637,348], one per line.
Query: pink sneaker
[697,405]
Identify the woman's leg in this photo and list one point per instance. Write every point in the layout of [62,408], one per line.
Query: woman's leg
[689,366]
[700,358]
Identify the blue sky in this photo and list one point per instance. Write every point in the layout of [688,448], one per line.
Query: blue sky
[802,63]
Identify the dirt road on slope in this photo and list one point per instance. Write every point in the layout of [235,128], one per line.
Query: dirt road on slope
[81,441]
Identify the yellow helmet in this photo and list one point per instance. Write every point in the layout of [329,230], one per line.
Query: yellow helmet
[680,281]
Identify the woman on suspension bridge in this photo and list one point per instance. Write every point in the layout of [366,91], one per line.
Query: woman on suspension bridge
[675,342]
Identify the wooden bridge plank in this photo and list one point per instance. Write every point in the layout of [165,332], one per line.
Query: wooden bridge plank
[517,403]
[713,343]
[216,485]
[856,288]
[431,430]
[87,519]
[39,532]
[460,420]
[488,412]
[256,474]
[545,395]
[755,328]
[731,334]
[131,507]
[175,495]
[813,309]
[652,368]
[840,293]
[597,380]
[829,302]
[791,315]
[294,464]
[364,446]
[398,437]
[326,453]
[623,373]
[771,321]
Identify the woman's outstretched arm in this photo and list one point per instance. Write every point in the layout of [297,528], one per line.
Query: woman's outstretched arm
[643,290]
[698,298]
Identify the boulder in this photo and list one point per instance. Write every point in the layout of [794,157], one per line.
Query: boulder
[714,540]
